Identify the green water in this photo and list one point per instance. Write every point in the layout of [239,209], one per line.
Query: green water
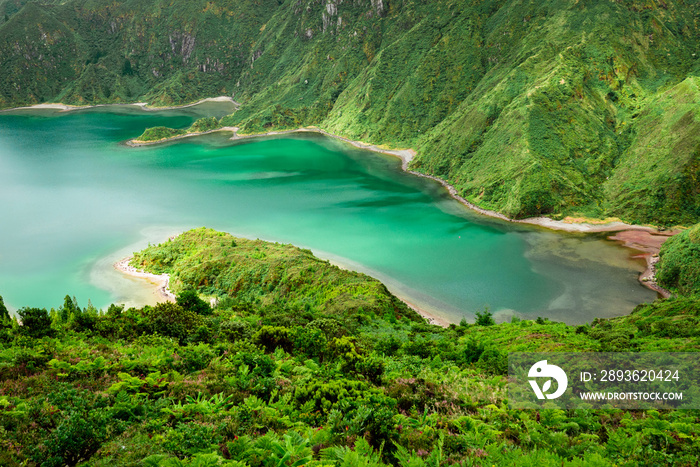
[76,199]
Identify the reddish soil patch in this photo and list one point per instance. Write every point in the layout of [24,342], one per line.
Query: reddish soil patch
[644,241]
[649,244]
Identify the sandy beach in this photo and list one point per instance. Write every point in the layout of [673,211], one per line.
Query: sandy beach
[432,319]
[144,105]
[161,281]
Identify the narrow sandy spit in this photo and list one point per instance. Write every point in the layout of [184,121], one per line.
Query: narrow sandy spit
[161,281]
[145,106]
[136,143]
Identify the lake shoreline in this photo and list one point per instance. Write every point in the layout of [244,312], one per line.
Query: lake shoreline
[427,315]
[160,281]
[431,318]
[570,225]
[649,244]
[574,225]
[143,105]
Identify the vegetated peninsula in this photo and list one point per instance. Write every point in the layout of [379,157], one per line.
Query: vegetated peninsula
[270,275]
[301,363]
[160,133]
[558,107]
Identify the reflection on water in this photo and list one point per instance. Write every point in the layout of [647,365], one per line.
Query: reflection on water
[574,256]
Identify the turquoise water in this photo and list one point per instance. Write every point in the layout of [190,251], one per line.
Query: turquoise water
[76,199]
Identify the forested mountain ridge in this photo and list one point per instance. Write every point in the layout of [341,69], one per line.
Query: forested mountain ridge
[549,107]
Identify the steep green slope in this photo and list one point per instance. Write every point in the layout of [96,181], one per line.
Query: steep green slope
[527,107]
[39,56]
[163,52]
[679,266]
[658,176]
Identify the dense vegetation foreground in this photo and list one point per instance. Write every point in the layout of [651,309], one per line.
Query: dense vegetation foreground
[527,107]
[301,363]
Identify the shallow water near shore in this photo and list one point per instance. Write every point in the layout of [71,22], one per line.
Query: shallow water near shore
[76,199]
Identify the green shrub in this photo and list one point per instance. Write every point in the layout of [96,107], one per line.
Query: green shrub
[420,346]
[310,341]
[417,394]
[36,322]
[494,361]
[484,318]
[271,337]
[371,367]
[471,352]
[196,357]
[170,319]
[344,349]
[235,330]
[187,439]
[679,266]
[76,439]
[389,346]
[4,314]
[189,300]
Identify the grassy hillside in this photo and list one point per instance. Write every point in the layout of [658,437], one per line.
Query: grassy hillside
[271,276]
[551,107]
[258,382]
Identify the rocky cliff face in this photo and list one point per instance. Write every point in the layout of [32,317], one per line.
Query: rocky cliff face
[556,107]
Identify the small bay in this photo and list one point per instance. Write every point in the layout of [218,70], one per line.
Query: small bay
[75,199]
